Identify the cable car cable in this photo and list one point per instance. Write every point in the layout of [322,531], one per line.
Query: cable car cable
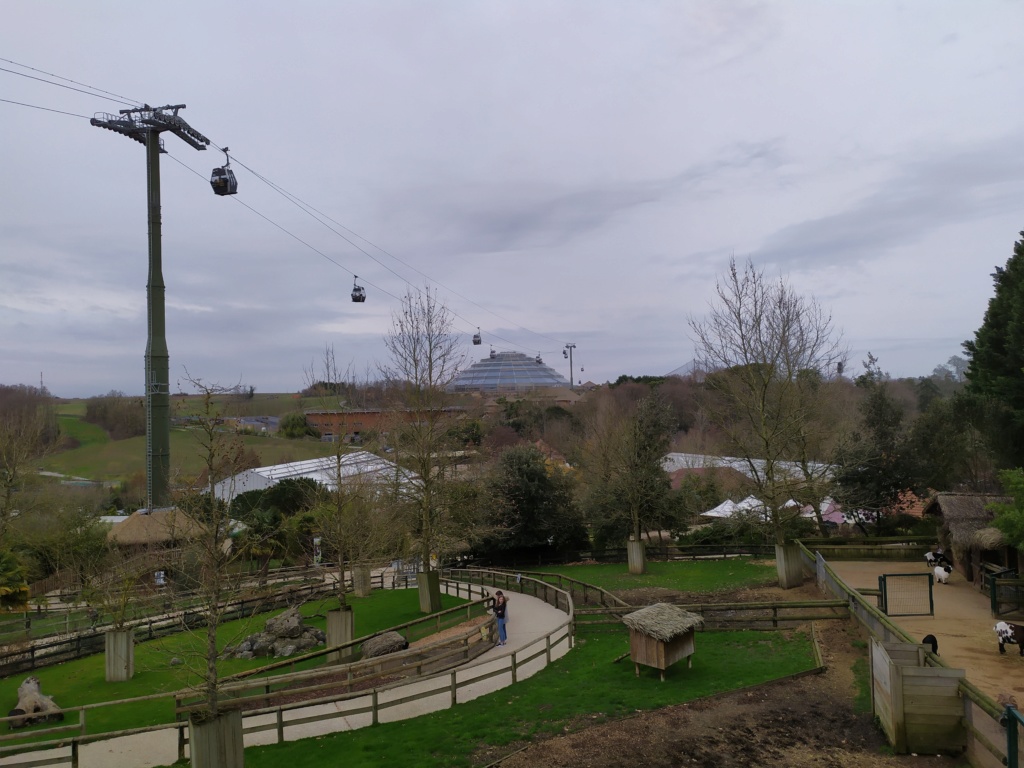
[127,100]
[45,109]
[68,87]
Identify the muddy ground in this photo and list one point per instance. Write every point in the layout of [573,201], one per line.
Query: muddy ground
[806,723]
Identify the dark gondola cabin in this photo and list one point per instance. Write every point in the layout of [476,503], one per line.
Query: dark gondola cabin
[358,292]
[223,179]
[476,338]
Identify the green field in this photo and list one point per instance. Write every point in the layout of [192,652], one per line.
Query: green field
[99,458]
[694,576]
[581,689]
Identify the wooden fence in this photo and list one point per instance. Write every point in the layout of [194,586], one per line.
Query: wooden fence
[268,724]
[771,615]
[16,658]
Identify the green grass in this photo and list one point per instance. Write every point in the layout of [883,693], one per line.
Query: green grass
[581,689]
[82,681]
[862,679]
[701,576]
[99,458]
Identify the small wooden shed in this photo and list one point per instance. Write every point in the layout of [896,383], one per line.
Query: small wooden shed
[660,635]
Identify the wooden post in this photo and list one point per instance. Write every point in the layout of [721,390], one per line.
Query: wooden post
[217,742]
[340,630]
[119,654]
[361,583]
[280,726]
[429,585]
[454,689]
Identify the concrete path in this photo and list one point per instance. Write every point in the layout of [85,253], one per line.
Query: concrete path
[529,621]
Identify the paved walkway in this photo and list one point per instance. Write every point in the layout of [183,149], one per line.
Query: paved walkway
[529,620]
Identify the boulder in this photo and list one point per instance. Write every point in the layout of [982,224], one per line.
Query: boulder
[384,643]
[288,624]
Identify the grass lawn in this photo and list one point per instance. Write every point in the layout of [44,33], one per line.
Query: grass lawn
[99,458]
[82,681]
[581,689]
[698,576]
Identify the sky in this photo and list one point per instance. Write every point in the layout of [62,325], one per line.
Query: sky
[559,171]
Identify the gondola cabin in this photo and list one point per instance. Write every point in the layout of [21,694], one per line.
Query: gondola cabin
[358,292]
[477,341]
[223,181]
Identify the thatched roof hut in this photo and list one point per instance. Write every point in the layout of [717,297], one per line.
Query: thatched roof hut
[663,621]
[660,635]
[967,531]
[963,515]
[159,527]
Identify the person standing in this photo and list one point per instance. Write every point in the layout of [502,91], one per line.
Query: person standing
[500,608]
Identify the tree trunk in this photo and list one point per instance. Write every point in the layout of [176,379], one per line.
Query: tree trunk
[340,629]
[636,556]
[429,585]
[119,653]
[216,742]
[789,565]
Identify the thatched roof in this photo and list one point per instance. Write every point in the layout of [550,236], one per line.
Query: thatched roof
[964,515]
[662,621]
[161,526]
[989,538]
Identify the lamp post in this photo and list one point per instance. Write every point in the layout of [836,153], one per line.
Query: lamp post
[567,352]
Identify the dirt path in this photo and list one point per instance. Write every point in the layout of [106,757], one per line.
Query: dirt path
[962,624]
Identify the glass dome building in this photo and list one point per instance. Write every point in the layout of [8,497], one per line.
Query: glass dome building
[508,372]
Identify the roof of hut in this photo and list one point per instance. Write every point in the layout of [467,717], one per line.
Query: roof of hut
[964,515]
[662,621]
[159,526]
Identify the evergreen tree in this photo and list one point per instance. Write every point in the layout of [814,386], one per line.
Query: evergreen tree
[995,369]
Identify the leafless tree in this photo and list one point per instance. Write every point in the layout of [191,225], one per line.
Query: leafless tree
[769,354]
[425,357]
[27,430]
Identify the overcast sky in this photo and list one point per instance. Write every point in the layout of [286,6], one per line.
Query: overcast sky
[562,172]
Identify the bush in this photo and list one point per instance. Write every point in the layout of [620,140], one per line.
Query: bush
[294,425]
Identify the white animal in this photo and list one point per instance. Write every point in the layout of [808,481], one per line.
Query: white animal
[942,573]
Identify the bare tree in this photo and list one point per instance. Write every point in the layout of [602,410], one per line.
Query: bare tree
[768,354]
[210,556]
[27,429]
[425,359]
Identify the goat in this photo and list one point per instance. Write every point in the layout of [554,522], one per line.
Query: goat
[1009,633]
[931,641]
[937,557]
[942,573]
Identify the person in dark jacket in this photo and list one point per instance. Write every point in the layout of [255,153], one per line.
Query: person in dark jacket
[500,608]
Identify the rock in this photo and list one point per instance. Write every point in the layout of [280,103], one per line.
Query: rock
[176,662]
[288,624]
[384,643]
[283,648]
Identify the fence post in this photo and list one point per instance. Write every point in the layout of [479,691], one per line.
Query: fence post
[181,743]
[514,676]
[280,725]
[373,706]
[74,753]
[547,647]
[455,690]
[1011,739]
